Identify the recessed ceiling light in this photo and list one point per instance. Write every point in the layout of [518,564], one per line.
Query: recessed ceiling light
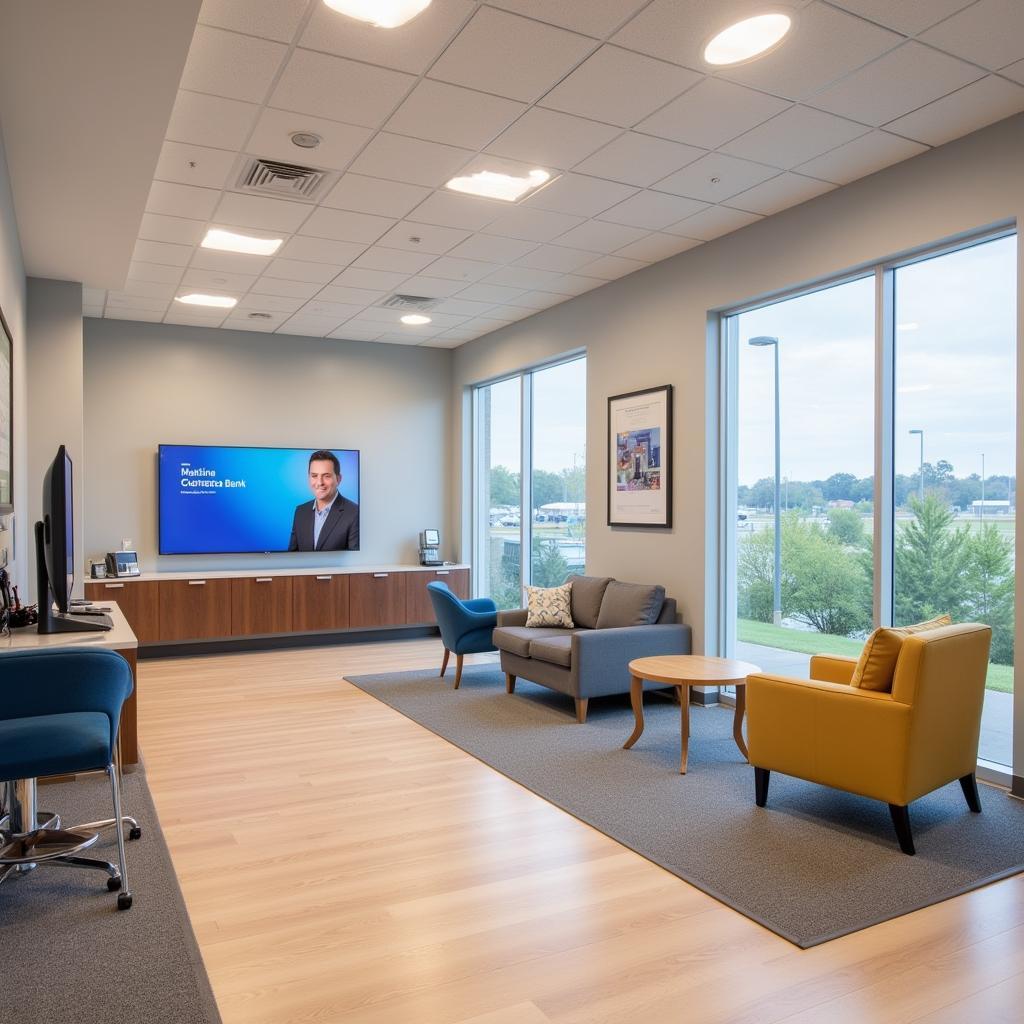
[229,241]
[507,187]
[220,301]
[382,13]
[747,39]
[415,319]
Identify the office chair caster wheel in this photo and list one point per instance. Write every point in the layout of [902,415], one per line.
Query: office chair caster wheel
[113,884]
[135,833]
[124,901]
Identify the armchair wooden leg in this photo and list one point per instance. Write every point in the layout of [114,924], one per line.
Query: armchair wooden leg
[458,670]
[969,784]
[510,683]
[901,822]
[444,661]
[581,709]
[761,779]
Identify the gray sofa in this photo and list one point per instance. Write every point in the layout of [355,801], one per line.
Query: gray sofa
[613,623]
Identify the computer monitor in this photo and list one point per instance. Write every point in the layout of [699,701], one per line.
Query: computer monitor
[55,553]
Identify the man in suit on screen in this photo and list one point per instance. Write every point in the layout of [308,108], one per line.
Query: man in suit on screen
[329,522]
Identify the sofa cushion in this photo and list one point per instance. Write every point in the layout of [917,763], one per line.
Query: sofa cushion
[877,663]
[549,606]
[517,639]
[587,594]
[630,604]
[557,650]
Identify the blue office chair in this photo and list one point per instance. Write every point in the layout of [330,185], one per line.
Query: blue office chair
[466,626]
[59,713]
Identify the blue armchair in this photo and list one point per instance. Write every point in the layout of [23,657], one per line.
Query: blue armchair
[59,713]
[466,626]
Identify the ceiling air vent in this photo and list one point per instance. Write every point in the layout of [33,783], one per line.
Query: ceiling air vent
[279,179]
[410,302]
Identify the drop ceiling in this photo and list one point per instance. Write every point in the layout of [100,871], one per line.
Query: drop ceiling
[652,154]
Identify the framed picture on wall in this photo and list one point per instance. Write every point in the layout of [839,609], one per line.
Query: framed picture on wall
[6,419]
[640,458]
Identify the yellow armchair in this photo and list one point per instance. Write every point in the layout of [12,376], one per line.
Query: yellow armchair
[893,747]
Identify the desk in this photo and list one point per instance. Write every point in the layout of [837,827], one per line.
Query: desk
[120,639]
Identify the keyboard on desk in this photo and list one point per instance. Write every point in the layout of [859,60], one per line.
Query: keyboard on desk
[90,615]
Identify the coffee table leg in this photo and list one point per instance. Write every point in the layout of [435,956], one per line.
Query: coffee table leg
[636,698]
[737,719]
[684,725]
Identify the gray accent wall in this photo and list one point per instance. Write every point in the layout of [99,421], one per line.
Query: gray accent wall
[152,383]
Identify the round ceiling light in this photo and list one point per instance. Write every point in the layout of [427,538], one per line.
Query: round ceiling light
[414,319]
[382,13]
[747,39]
[305,140]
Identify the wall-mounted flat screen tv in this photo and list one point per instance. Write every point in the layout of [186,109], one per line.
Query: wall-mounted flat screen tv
[225,500]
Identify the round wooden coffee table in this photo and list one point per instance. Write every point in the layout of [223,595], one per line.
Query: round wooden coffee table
[683,671]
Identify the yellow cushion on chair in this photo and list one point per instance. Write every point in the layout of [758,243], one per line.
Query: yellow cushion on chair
[877,662]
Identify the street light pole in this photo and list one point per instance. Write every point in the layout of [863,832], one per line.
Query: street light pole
[921,462]
[763,341]
[982,485]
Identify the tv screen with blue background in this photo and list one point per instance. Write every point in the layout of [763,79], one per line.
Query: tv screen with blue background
[222,500]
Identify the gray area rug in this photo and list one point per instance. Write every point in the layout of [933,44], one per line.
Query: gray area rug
[67,953]
[814,865]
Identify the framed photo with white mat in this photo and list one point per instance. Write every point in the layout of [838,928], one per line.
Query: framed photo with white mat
[640,458]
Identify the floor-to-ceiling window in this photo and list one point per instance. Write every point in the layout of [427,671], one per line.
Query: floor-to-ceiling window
[878,410]
[530,473]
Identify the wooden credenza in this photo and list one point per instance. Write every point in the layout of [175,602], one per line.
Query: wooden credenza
[172,608]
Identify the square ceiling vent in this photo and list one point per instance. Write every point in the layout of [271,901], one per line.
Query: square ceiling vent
[275,178]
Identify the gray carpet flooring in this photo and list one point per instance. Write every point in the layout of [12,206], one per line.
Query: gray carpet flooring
[67,953]
[811,866]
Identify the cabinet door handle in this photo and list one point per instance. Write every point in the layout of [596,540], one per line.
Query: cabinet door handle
[113,586]
[264,579]
[441,572]
[197,583]
[328,578]
[380,575]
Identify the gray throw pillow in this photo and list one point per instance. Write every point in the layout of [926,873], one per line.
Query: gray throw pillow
[630,604]
[587,594]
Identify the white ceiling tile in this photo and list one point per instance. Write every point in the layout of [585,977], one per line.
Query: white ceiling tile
[779,193]
[440,321]
[485,43]
[555,257]
[572,284]
[619,87]
[713,222]
[183,316]
[272,19]
[122,300]
[322,250]
[422,238]
[990,33]
[715,177]
[175,200]
[395,260]
[895,84]
[260,212]
[598,236]
[158,228]
[652,210]
[491,293]
[375,280]
[377,314]
[408,335]
[594,18]
[795,135]
[162,252]
[580,195]
[218,281]
[435,287]
[966,110]
[539,300]
[453,269]
[373,195]
[262,325]
[142,315]
[297,270]
[909,16]
[339,142]
[492,249]
[194,165]
[154,272]
[712,112]
[657,246]
[532,225]
[339,89]
[1014,71]
[484,325]
[463,307]
[276,286]
[229,262]
[611,268]
[308,326]
[411,160]
[439,112]
[451,210]
[204,120]
[351,332]
[510,313]
[269,303]
[410,47]
[342,310]
[351,296]
[550,139]
[637,159]
[231,65]
[150,289]
[860,157]
[442,341]
[523,278]
[345,225]
[823,45]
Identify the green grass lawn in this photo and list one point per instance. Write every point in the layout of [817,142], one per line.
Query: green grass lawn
[1000,677]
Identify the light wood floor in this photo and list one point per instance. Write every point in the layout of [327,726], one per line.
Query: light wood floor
[340,863]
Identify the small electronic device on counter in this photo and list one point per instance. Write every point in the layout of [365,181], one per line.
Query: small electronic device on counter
[430,544]
[123,563]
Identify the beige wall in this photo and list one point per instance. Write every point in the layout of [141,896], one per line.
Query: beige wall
[651,328]
[152,383]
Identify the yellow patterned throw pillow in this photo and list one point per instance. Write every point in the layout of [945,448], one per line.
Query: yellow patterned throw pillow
[549,606]
[877,662]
